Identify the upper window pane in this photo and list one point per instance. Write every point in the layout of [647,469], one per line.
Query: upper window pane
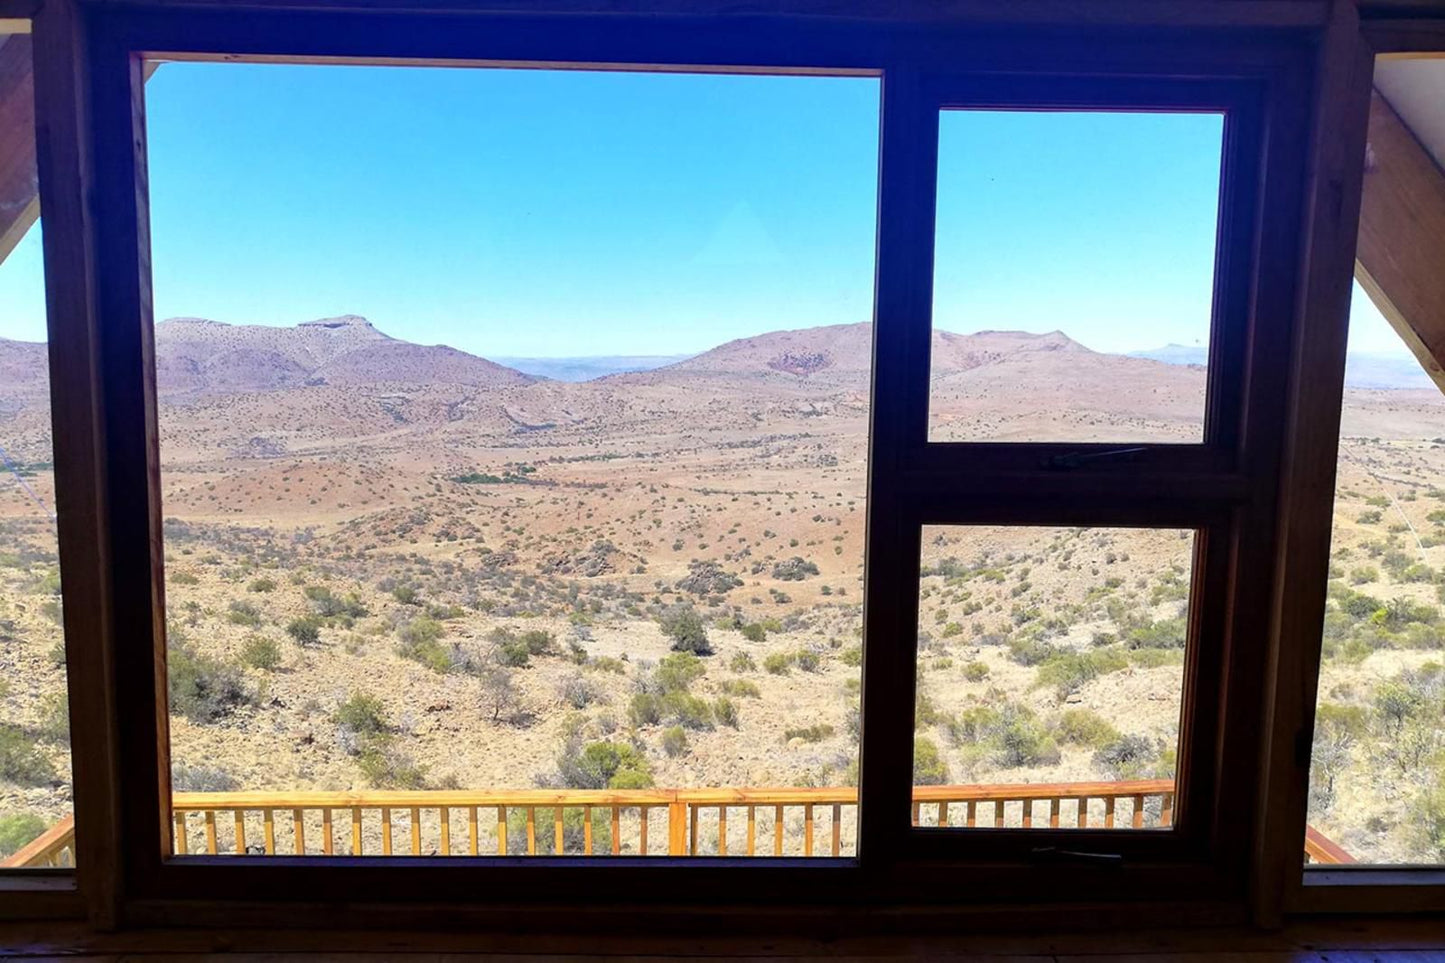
[1073,275]
[570,524]
[35,774]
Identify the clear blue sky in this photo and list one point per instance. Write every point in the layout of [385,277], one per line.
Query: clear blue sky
[550,213]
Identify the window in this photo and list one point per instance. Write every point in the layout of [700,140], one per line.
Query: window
[548,465]
[1073,275]
[35,773]
[586,579]
[1050,669]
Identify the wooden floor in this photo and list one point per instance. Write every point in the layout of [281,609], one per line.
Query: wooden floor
[1334,941]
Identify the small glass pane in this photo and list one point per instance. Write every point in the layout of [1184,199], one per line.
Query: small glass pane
[1073,275]
[1050,676]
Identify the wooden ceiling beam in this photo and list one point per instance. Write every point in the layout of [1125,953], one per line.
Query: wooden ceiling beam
[19,200]
[1400,258]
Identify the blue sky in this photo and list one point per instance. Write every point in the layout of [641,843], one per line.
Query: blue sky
[551,213]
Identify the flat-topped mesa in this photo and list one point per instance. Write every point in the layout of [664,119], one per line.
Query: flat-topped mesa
[340,321]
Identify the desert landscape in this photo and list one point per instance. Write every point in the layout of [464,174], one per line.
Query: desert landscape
[391,565]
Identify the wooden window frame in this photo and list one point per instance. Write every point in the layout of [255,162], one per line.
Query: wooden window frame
[1278,280]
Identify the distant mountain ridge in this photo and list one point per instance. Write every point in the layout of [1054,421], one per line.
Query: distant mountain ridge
[1363,369]
[589,367]
[195,356]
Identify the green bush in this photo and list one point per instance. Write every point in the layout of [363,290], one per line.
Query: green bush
[686,629]
[17,829]
[261,585]
[259,652]
[929,768]
[242,612]
[1067,671]
[778,663]
[743,688]
[420,641]
[754,632]
[21,762]
[387,767]
[677,672]
[852,656]
[975,671]
[305,630]
[645,709]
[686,709]
[328,605]
[362,713]
[1164,634]
[807,660]
[742,662]
[1126,757]
[725,711]
[603,765]
[674,741]
[1083,727]
[202,688]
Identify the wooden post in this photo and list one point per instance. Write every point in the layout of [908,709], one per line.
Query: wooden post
[356,844]
[676,828]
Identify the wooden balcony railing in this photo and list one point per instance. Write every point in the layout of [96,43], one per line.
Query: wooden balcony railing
[54,847]
[646,822]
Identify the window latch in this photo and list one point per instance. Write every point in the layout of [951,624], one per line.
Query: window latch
[1072,460]
[1053,856]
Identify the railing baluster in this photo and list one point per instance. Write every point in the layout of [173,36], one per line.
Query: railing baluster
[386,830]
[998,813]
[642,812]
[692,829]
[501,830]
[1166,810]
[531,830]
[472,831]
[557,830]
[326,831]
[1082,819]
[357,847]
[722,830]
[915,814]
[1138,812]
[445,814]
[416,830]
[211,831]
[943,814]
[778,830]
[752,830]
[269,819]
[837,829]
[587,830]
[1028,805]
[676,828]
[240,832]
[616,830]
[807,829]
[298,829]
[1054,813]
[181,843]
[972,815]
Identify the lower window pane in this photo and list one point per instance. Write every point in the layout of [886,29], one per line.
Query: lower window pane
[1050,674]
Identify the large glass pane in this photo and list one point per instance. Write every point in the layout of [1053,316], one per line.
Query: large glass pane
[1073,275]
[607,540]
[1377,778]
[35,780]
[1050,674]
